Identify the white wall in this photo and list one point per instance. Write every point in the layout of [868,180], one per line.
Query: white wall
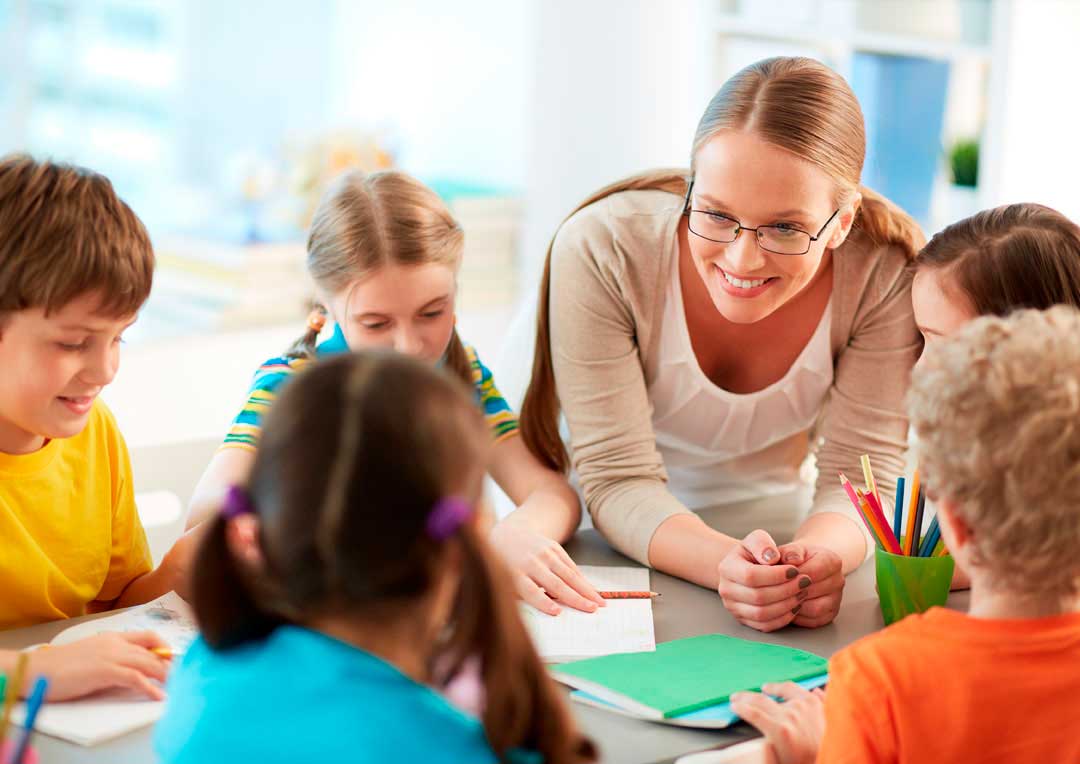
[618,87]
[448,78]
[1035,148]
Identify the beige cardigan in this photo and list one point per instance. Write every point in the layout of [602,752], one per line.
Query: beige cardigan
[609,268]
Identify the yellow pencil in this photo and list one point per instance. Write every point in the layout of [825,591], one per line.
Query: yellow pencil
[911,512]
[868,476]
[163,652]
[14,687]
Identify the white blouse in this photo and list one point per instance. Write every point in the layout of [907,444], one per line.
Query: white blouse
[720,447]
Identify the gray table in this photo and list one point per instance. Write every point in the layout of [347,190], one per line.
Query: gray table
[684,610]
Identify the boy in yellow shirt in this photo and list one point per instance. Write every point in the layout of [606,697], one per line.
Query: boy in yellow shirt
[997,410]
[76,265]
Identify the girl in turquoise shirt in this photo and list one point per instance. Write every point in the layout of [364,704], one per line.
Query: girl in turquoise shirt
[349,581]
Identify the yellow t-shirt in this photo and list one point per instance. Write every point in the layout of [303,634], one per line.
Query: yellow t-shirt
[69,531]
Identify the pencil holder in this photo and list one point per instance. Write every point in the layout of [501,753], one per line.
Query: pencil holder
[7,749]
[909,585]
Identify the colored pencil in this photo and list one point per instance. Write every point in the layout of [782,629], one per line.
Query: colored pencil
[32,707]
[628,595]
[913,502]
[919,509]
[850,490]
[898,510]
[868,476]
[891,542]
[871,521]
[11,692]
[163,652]
[933,533]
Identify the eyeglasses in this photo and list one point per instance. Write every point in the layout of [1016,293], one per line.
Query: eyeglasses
[780,239]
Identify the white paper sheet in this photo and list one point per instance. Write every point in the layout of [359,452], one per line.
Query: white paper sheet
[110,714]
[623,626]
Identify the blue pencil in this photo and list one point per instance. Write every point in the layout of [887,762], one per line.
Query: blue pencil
[933,533]
[37,696]
[898,509]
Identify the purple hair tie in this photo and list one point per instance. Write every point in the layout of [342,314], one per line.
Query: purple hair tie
[446,517]
[237,502]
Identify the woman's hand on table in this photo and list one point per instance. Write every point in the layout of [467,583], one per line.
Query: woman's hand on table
[757,588]
[825,569]
[542,571]
[104,661]
[793,729]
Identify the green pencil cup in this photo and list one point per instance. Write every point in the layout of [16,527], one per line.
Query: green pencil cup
[909,585]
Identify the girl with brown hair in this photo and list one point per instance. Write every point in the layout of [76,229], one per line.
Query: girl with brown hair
[349,579]
[384,254]
[703,331]
[994,262]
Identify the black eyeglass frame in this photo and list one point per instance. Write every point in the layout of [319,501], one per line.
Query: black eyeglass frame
[740,227]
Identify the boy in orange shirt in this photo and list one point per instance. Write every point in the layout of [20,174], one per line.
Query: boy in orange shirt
[997,410]
[76,265]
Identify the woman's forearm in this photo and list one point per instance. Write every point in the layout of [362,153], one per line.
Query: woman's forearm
[836,532]
[684,546]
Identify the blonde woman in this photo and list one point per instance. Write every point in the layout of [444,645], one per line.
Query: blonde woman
[384,253]
[704,330]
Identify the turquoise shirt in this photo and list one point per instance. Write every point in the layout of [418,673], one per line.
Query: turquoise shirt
[301,696]
[271,375]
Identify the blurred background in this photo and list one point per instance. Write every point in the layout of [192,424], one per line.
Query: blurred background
[220,121]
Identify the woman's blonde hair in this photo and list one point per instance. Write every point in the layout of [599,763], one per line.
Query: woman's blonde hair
[997,411]
[365,221]
[797,104]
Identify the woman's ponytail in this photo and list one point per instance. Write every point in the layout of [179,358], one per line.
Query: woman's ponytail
[540,409]
[886,224]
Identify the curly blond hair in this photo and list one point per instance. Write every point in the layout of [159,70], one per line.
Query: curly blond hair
[997,412]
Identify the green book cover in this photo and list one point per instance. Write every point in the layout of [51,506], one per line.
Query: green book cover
[686,675]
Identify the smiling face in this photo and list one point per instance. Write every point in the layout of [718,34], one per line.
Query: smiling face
[54,368]
[740,176]
[407,308]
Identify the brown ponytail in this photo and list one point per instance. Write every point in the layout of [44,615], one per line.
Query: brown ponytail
[343,487]
[523,708]
[540,408]
[798,104]
[457,360]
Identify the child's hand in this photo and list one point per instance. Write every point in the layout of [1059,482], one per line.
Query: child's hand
[757,588]
[101,662]
[180,560]
[542,570]
[794,728]
[826,570]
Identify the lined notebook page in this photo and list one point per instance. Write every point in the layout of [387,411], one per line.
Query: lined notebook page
[624,626]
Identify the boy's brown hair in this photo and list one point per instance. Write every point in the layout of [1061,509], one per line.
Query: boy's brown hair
[997,411]
[65,233]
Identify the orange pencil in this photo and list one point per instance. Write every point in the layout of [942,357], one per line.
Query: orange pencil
[871,519]
[163,652]
[628,595]
[911,513]
[892,544]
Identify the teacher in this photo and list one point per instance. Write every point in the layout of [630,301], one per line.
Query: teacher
[704,332]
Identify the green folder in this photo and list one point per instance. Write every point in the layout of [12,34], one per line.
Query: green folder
[688,674]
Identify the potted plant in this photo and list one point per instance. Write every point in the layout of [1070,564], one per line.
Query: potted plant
[957,192]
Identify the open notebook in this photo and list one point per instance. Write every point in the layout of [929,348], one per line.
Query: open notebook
[623,626]
[110,714]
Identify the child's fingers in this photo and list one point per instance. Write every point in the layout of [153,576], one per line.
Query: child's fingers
[558,589]
[573,576]
[785,690]
[756,709]
[533,595]
[145,639]
[133,679]
[146,663]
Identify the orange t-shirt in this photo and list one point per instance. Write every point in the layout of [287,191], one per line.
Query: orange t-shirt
[944,686]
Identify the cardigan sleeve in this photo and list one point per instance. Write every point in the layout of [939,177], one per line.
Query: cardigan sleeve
[601,386]
[865,412]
